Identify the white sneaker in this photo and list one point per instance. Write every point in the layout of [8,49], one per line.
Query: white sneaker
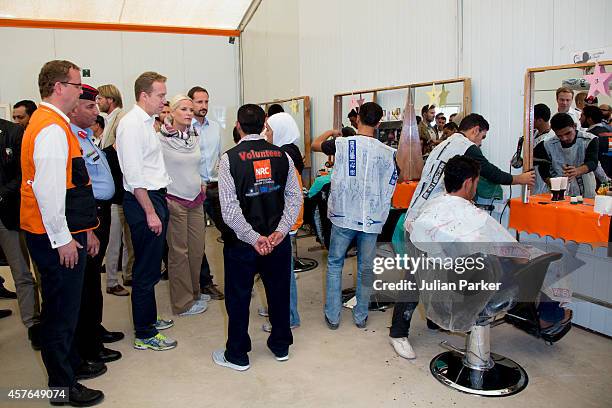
[197,308]
[205,297]
[218,357]
[282,358]
[402,347]
[262,311]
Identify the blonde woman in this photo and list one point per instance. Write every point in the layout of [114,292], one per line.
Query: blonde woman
[180,147]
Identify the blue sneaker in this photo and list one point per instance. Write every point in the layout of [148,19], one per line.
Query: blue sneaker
[163,324]
[158,343]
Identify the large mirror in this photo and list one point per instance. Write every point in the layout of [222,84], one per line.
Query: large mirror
[541,86]
[299,108]
[451,96]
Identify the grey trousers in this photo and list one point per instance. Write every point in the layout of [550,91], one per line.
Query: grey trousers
[26,287]
[118,231]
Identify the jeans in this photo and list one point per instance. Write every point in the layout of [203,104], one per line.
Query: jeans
[366,251]
[148,251]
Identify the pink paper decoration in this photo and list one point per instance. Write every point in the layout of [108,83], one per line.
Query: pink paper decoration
[599,81]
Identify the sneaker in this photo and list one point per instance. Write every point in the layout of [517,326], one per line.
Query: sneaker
[267,327]
[205,297]
[212,291]
[158,343]
[402,347]
[282,358]
[218,357]
[363,324]
[262,311]
[163,324]
[330,325]
[197,308]
[117,290]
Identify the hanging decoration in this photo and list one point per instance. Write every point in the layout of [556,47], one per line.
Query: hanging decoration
[294,106]
[433,95]
[354,104]
[442,96]
[599,81]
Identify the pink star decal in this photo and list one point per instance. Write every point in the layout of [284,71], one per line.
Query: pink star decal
[360,101]
[354,104]
[599,81]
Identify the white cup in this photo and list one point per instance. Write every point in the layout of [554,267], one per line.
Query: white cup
[555,183]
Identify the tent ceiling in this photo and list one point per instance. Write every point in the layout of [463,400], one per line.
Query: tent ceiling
[216,14]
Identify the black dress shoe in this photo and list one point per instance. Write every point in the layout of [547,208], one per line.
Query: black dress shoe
[5,313]
[107,355]
[127,282]
[212,291]
[7,294]
[88,370]
[111,337]
[81,396]
[34,336]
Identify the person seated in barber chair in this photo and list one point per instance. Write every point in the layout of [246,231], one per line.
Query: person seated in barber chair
[453,218]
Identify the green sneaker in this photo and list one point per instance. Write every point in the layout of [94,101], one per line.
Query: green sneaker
[163,324]
[157,343]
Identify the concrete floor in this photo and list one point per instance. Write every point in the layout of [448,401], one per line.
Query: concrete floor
[347,367]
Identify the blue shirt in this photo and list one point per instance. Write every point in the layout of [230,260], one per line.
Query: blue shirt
[97,166]
[210,147]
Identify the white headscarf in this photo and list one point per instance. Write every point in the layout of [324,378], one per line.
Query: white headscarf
[285,130]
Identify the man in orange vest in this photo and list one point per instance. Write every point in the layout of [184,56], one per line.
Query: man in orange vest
[58,214]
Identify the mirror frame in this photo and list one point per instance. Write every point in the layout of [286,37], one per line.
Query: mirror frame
[528,111]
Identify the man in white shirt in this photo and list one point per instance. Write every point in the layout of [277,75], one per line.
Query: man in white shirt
[58,214]
[145,180]
[210,147]
[565,96]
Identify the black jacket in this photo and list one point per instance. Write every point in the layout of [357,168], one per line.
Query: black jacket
[11,135]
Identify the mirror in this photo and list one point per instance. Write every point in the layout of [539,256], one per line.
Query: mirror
[541,86]
[456,98]
[299,109]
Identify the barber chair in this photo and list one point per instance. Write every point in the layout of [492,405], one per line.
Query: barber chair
[475,369]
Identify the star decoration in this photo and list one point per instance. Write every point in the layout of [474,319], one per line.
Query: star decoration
[294,106]
[599,81]
[433,95]
[360,101]
[442,96]
[354,104]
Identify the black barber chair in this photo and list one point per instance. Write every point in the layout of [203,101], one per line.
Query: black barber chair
[475,369]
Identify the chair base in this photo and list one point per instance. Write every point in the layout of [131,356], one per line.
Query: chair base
[505,377]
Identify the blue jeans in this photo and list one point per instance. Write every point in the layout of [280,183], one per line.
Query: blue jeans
[294,316]
[366,251]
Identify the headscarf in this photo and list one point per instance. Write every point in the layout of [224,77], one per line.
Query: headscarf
[285,130]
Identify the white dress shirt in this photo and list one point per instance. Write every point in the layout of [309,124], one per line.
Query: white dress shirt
[210,147]
[49,184]
[139,152]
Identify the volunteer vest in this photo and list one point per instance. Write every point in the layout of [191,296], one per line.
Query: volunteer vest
[431,184]
[572,156]
[362,184]
[259,170]
[80,208]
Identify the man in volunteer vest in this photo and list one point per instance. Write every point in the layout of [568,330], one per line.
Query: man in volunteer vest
[260,200]
[472,131]
[569,153]
[58,214]
[89,329]
[541,125]
[362,185]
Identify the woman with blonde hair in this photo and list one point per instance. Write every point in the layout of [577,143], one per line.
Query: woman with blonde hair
[186,228]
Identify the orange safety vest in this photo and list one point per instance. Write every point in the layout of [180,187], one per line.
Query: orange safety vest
[80,203]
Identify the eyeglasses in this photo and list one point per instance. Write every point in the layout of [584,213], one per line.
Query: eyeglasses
[79,86]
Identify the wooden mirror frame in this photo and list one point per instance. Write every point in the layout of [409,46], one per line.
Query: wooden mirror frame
[528,111]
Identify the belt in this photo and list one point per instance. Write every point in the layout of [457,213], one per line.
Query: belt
[212,184]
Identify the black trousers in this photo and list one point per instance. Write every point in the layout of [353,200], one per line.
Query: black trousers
[148,251]
[89,341]
[242,263]
[212,208]
[61,289]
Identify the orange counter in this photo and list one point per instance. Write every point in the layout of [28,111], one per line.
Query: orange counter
[560,219]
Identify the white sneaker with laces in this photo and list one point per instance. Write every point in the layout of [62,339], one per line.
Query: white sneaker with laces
[402,347]
[197,308]
[218,357]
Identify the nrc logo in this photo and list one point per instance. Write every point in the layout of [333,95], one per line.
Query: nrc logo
[263,169]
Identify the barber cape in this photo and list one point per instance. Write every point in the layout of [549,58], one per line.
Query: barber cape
[432,178]
[540,185]
[572,156]
[362,184]
[451,226]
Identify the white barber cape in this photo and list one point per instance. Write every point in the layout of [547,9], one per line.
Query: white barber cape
[450,219]
[362,184]
[431,184]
